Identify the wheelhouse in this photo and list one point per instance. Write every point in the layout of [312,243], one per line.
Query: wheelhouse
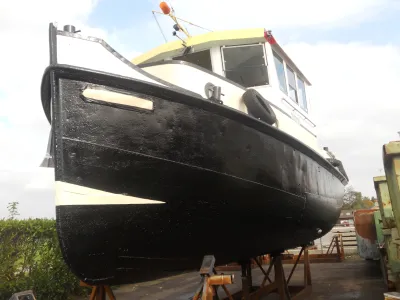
[250,58]
[247,59]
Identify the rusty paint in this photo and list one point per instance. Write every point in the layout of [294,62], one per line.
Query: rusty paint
[380,240]
[364,224]
[385,204]
[391,161]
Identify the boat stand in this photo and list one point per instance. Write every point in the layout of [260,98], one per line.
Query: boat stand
[99,292]
[334,254]
[280,285]
[210,281]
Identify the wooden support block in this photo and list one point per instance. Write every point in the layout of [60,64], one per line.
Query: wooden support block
[99,292]
[280,285]
[392,296]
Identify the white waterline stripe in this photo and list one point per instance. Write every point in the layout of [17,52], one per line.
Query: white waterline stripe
[72,194]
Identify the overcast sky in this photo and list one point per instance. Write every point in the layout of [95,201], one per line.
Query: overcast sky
[350,51]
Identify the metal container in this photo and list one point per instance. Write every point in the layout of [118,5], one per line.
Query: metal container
[366,234]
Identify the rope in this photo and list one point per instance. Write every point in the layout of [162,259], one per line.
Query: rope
[184,21]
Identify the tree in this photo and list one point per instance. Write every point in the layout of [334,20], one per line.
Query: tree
[355,200]
[367,203]
[12,210]
[349,196]
[358,202]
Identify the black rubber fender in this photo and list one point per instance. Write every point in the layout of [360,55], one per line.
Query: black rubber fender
[258,107]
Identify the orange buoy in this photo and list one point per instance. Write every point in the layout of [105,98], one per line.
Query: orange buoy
[165,8]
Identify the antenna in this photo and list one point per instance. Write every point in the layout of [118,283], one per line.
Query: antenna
[166,10]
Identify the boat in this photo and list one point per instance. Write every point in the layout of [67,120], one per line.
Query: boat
[203,145]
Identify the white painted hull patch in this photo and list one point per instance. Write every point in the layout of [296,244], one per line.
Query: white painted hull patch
[117,98]
[72,194]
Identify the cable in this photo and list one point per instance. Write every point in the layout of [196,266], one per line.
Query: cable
[194,24]
[184,21]
[160,28]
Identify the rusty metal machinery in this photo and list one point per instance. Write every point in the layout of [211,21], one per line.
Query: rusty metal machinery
[390,198]
[391,162]
[364,223]
[390,260]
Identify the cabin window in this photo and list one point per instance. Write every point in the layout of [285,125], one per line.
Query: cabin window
[246,65]
[201,59]
[280,71]
[291,84]
[301,90]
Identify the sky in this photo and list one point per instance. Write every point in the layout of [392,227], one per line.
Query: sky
[349,50]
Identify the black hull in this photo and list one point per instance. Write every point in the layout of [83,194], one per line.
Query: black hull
[233,186]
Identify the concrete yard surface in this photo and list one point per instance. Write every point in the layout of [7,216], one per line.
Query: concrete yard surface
[348,280]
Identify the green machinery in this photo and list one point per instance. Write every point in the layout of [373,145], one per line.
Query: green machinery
[388,220]
[386,230]
[380,239]
[391,163]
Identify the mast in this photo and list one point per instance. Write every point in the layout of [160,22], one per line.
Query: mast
[169,11]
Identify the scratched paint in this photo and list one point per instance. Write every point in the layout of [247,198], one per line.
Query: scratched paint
[385,204]
[378,227]
[364,224]
[391,162]
[214,167]
[206,180]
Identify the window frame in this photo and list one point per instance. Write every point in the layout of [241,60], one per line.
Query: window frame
[247,45]
[288,68]
[305,93]
[195,52]
[296,77]
[274,53]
